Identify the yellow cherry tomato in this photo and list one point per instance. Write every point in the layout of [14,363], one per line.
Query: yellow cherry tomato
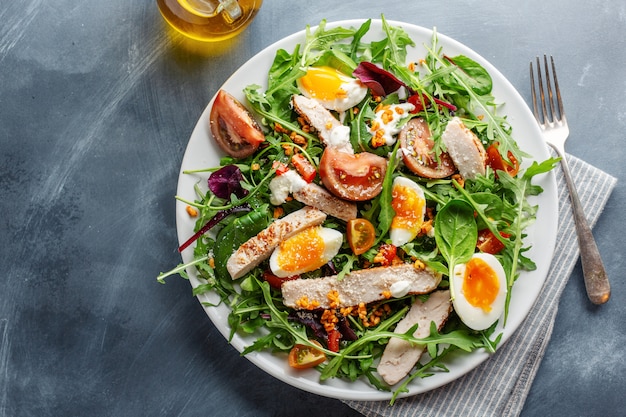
[304,356]
[361,235]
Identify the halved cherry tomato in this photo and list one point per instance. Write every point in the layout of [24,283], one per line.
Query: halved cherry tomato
[277,282]
[487,242]
[233,127]
[304,167]
[361,235]
[304,356]
[417,144]
[495,160]
[354,177]
[334,336]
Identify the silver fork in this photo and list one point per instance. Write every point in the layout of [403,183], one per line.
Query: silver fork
[553,124]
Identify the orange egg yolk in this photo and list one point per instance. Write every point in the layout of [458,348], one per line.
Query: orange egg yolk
[480,284]
[304,251]
[409,206]
[323,83]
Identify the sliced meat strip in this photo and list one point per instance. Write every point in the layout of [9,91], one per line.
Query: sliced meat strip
[329,129]
[362,286]
[465,149]
[318,197]
[260,247]
[401,356]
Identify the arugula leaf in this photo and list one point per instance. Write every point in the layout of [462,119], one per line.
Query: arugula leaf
[180,269]
[335,58]
[274,113]
[359,135]
[522,188]
[322,40]
[397,42]
[282,75]
[281,330]
[385,217]
[473,74]
[468,90]
[356,40]
[541,168]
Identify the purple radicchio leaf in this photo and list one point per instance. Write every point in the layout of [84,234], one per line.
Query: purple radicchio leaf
[380,81]
[311,319]
[226,181]
[344,327]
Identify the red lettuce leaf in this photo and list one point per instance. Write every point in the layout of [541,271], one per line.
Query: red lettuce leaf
[380,81]
[221,215]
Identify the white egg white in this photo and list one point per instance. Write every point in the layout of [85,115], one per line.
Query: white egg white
[475,317]
[332,243]
[354,90]
[399,235]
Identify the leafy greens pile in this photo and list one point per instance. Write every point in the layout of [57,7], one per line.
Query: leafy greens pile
[236,210]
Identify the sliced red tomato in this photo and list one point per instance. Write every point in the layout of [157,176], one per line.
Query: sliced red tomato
[354,177]
[277,282]
[280,167]
[420,102]
[497,162]
[487,242]
[386,255]
[334,337]
[304,167]
[417,151]
[361,235]
[234,129]
[303,356]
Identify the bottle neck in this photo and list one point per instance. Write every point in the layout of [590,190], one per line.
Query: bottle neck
[208,8]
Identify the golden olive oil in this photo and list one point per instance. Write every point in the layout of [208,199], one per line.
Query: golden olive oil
[208,20]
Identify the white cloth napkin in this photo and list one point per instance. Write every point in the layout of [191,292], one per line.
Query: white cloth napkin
[508,375]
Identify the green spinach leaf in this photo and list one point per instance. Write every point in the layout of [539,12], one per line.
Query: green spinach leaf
[235,233]
[456,233]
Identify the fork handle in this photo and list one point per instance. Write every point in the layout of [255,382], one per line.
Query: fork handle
[594,273]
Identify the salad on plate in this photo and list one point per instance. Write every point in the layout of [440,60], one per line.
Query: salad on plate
[369,212]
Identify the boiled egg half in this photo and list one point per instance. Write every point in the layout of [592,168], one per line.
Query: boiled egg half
[479,291]
[305,251]
[409,203]
[331,88]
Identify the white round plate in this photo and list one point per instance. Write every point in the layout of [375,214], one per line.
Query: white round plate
[202,153]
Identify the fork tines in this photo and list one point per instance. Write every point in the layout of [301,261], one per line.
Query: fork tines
[545,117]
